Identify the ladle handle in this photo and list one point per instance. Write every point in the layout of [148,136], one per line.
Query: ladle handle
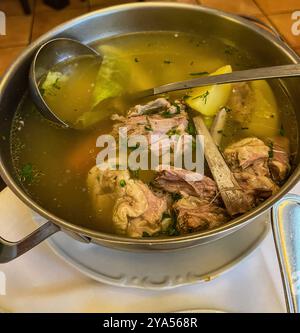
[286,232]
[262,73]
[11,250]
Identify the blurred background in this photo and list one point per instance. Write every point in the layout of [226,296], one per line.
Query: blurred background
[28,19]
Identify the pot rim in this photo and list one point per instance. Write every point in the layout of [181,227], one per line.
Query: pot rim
[231,226]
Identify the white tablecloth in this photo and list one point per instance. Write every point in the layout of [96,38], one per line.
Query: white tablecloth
[39,281]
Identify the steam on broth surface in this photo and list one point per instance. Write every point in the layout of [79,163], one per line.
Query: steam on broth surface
[52,163]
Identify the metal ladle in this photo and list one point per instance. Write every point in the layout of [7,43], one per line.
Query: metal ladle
[61,49]
[49,55]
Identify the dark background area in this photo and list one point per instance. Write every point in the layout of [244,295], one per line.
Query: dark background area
[2,184]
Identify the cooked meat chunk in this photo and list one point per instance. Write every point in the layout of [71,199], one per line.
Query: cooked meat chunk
[279,162]
[239,102]
[101,182]
[248,159]
[250,154]
[170,119]
[186,183]
[257,188]
[158,105]
[138,211]
[194,214]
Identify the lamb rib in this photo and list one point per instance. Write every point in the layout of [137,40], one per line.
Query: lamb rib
[233,196]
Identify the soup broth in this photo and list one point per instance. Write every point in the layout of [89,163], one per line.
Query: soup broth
[52,163]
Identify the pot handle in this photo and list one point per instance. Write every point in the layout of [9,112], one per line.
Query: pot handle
[258,21]
[286,232]
[11,250]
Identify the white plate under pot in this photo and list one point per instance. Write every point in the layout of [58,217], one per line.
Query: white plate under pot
[158,270]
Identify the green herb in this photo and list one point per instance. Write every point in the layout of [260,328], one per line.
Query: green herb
[203,97]
[122,183]
[185,97]
[145,234]
[191,128]
[226,108]
[244,128]
[136,59]
[172,131]
[172,231]
[167,62]
[27,173]
[167,114]
[282,131]
[166,216]
[220,131]
[176,196]
[271,151]
[177,107]
[230,50]
[198,73]
[148,128]
[55,84]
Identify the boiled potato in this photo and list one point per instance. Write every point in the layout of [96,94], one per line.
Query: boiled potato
[208,100]
[264,119]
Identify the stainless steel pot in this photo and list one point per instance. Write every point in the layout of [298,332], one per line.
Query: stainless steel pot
[268,48]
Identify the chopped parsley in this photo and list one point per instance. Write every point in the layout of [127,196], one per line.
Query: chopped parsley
[145,234]
[198,73]
[167,62]
[204,97]
[172,131]
[136,59]
[226,108]
[166,216]
[191,128]
[282,131]
[271,151]
[176,196]
[230,50]
[27,173]
[244,128]
[185,97]
[177,107]
[148,128]
[172,231]
[167,114]
[55,84]
[122,183]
